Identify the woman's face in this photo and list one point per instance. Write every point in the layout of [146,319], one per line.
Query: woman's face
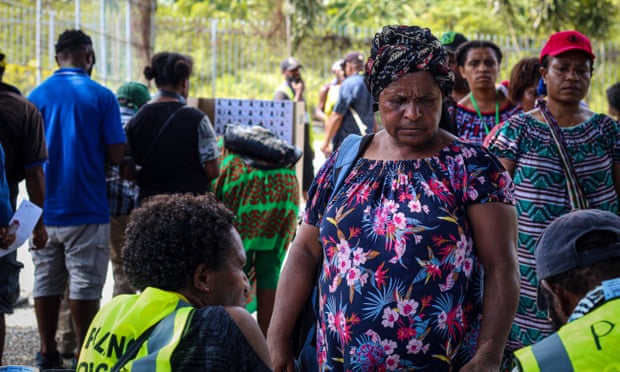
[528,101]
[229,285]
[567,76]
[410,109]
[481,68]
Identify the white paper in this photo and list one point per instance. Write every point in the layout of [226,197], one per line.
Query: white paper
[27,214]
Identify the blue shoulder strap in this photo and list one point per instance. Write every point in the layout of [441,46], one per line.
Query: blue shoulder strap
[350,150]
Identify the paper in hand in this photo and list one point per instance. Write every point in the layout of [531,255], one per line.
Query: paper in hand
[27,215]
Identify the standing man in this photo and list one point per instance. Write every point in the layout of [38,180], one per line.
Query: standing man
[353,113]
[578,268]
[23,140]
[292,89]
[83,130]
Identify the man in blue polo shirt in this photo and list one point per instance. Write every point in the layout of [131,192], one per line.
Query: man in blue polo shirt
[83,131]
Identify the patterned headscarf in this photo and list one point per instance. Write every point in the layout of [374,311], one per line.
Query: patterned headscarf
[399,50]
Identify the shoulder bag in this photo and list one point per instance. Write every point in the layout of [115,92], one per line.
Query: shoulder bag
[576,194]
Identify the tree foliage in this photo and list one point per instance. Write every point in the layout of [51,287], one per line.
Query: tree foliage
[595,18]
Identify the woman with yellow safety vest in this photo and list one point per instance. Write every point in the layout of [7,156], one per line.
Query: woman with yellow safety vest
[186,259]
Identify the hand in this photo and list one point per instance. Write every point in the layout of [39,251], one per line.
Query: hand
[481,363]
[281,355]
[39,237]
[298,86]
[326,148]
[6,239]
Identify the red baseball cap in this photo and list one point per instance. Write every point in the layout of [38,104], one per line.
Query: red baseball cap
[565,41]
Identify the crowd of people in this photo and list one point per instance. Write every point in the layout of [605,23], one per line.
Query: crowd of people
[456,223]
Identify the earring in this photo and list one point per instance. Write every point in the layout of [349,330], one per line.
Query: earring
[207,290]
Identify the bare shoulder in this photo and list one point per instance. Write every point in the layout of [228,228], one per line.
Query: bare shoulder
[250,329]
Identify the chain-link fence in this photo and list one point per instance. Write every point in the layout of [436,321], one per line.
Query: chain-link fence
[233,59]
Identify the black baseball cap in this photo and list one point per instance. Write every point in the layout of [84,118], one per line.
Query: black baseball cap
[290,64]
[556,249]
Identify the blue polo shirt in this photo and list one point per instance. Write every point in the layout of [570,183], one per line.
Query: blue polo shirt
[81,118]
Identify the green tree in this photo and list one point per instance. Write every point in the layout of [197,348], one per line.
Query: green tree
[594,18]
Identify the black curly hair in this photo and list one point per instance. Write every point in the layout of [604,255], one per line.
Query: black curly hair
[71,41]
[169,68]
[170,235]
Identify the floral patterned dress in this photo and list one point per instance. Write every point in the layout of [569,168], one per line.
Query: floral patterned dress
[401,283]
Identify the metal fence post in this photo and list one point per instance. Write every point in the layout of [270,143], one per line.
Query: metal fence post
[51,31]
[214,59]
[129,45]
[77,14]
[102,41]
[38,42]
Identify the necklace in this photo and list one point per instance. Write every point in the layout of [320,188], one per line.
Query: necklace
[475,104]
[171,94]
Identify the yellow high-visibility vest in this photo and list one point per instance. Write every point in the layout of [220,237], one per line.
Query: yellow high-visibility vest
[590,343]
[119,323]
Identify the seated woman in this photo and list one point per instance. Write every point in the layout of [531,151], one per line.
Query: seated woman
[186,258]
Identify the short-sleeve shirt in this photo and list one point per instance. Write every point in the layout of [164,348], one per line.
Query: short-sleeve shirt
[353,93]
[473,128]
[81,119]
[401,281]
[22,136]
[173,161]
[541,194]
[214,342]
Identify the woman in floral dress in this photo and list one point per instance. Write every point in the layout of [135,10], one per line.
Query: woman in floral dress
[403,244]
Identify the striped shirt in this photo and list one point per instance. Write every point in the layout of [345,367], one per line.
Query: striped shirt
[541,194]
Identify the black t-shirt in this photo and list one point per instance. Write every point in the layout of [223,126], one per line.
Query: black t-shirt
[170,162]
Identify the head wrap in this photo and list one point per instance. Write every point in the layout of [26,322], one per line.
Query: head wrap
[399,50]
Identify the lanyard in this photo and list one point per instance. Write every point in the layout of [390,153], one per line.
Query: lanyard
[475,104]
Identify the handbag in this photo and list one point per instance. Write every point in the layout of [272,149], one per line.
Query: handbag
[303,339]
[260,147]
[576,194]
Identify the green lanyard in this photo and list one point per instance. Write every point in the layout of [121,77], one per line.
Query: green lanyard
[475,104]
